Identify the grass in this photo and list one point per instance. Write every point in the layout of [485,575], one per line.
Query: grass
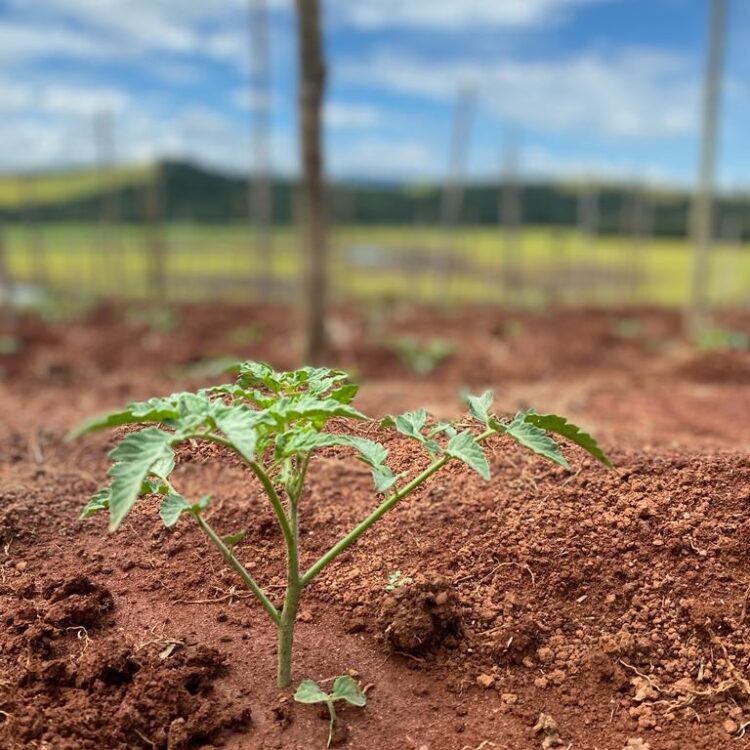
[211,260]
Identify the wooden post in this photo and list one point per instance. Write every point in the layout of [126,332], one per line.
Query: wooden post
[510,217]
[260,205]
[453,193]
[7,312]
[108,260]
[312,76]
[731,234]
[156,282]
[702,213]
[588,224]
[35,232]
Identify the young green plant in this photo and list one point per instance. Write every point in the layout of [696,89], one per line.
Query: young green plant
[275,422]
[344,689]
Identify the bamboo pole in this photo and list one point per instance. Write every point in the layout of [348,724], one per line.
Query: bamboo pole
[702,212]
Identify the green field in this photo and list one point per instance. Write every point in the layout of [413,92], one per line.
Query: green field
[217,261]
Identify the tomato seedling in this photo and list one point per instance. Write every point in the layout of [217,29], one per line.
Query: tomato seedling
[344,689]
[275,421]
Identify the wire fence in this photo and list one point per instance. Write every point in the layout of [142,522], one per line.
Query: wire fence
[506,265]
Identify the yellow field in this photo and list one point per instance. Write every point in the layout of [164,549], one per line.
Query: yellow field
[43,189]
[218,261]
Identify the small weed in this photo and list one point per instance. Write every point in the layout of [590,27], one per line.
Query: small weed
[719,339]
[421,357]
[344,689]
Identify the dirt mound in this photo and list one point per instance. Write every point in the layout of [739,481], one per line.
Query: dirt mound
[596,585]
[716,367]
[613,604]
[69,686]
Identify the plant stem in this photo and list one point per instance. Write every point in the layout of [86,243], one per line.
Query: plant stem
[286,633]
[265,480]
[380,511]
[237,565]
[294,584]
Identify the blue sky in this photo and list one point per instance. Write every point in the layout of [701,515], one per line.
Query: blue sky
[592,88]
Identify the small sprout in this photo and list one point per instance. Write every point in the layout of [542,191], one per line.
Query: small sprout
[344,689]
[421,357]
[10,345]
[719,339]
[397,580]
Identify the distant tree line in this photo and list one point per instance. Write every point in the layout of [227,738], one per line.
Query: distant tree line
[191,193]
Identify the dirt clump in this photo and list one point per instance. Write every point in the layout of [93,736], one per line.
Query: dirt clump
[421,617]
[69,685]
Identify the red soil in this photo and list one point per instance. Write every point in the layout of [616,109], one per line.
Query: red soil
[614,603]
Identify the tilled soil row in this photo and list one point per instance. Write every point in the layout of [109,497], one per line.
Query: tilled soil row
[546,608]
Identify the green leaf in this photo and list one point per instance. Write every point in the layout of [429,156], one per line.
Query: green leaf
[308,407]
[309,692]
[201,505]
[133,459]
[410,423]
[383,478]
[479,406]
[99,501]
[232,540]
[258,373]
[532,437]
[560,426]
[171,508]
[445,427]
[153,410]
[164,466]
[153,486]
[346,393]
[345,688]
[465,448]
[239,425]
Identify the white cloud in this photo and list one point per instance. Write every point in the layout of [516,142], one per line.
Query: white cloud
[452,14]
[340,115]
[24,41]
[383,158]
[44,98]
[636,93]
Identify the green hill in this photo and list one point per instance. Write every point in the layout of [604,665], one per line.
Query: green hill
[188,192]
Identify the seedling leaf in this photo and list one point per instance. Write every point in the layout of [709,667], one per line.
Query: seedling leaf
[238,425]
[465,448]
[309,692]
[134,459]
[232,540]
[560,426]
[153,410]
[534,438]
[171,508]
[99,501]
[479,406]
[345,688]
[410,423]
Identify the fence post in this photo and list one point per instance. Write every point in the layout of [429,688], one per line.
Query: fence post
[156,281]
[7,312]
